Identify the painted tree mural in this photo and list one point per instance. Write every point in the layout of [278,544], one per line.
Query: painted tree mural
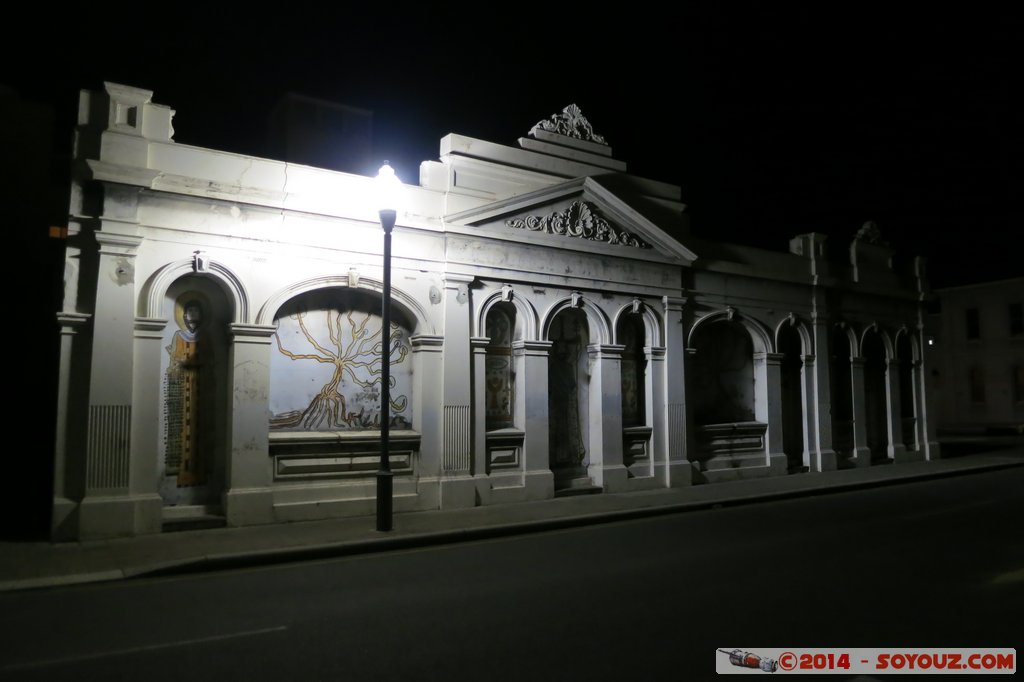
[342,390]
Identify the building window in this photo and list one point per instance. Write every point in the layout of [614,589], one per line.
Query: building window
[976,382]
[973,324]
[499,380]
[1018,384]
[1016,319]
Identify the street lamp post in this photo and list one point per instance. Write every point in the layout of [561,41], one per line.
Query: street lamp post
[388,185]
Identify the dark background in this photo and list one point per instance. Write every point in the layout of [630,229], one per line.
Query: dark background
[774,121]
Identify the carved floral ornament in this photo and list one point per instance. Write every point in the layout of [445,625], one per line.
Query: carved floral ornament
[571,123]
[579,220]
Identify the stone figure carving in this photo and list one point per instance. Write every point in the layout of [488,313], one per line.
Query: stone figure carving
[184,454]
[568,335]
[571,123]
[579,220]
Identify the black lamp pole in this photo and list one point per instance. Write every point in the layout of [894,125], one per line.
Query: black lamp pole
[384,475]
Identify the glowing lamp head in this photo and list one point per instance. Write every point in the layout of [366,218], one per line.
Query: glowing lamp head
[387,189]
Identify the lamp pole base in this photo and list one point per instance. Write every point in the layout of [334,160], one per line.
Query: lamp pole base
[384,480]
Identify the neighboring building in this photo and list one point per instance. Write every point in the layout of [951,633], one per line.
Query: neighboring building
[976,343]
[556,329]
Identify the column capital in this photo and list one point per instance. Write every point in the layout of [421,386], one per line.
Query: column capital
[453,280]
[607,350]
[72,320]
[429,343]
[655,352]
[116,244]
[252,333]
[540,348]
[674,303]
[149,327]
[770,358]
[479,343]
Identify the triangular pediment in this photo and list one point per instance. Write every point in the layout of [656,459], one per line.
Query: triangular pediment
[592,213]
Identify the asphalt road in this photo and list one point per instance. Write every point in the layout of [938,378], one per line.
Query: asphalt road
[929,564]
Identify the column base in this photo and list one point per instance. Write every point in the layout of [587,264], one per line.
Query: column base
[249,506]
[458,491]
[64,520]
[111,516]
[825,460]
[676,474]
[611,478]
[861,457]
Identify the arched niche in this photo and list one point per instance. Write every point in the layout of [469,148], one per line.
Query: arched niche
[194,391]
[326,358]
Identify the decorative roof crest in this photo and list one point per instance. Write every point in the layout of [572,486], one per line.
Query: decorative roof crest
[571,123]
[579,220]
[870,233]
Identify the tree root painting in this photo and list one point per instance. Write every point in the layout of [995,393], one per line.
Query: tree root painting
[350,399]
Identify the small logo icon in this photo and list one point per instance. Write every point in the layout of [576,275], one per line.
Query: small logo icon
[745,659]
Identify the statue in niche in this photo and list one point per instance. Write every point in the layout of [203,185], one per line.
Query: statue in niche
[184,455]
[566,432]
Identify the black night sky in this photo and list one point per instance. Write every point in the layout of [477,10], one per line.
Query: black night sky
[773,121]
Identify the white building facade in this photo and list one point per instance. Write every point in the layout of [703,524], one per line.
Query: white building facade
[556,329]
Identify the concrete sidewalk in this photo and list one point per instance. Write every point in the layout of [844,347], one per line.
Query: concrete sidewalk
[43,564]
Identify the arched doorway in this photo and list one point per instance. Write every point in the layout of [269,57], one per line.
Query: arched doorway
[791,347]
[630,333]
[568,397]
[842,396]
[876,422]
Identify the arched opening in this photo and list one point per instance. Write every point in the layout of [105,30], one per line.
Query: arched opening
[791,348]
[568,396]
[842,396]
[876,421]
[631,334]
[908,412]
[326,359]
[723,373]
[194,369]
[499,378]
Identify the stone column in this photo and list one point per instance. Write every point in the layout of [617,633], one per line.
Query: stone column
[68,471]
[478,372]
[110,506]
[428,420]
[248,498]
[656,412]
[808,412]
[768,407]
[861,452]
[606,468]
[147,416]
[925,414]
[532,385]
[823,455]
[673,464]
[458,489]
[896,450]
